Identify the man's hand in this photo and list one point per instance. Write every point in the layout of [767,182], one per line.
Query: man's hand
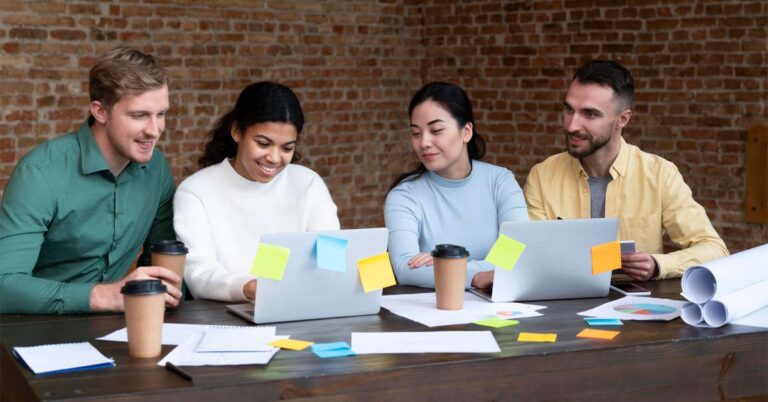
[483,280]
[639,266]
[107,296]
[419,260]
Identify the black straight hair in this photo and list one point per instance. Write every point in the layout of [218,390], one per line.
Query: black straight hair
[456,102]
[609,73]
[261,102]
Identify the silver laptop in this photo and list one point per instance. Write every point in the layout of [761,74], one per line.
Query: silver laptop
[307,292]
[556,263]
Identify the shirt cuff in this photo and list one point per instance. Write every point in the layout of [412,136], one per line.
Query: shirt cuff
[77,297]
[235,288]
[665,264]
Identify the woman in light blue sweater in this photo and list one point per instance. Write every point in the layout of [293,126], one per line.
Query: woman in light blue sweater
[452,197]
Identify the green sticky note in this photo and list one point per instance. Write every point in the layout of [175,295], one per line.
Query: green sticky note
[270,261]
[497,322]
[505,252]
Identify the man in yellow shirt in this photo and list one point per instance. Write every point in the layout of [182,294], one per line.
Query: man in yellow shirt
[601,175]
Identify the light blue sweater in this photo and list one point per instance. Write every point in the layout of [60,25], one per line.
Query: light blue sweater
[434,210]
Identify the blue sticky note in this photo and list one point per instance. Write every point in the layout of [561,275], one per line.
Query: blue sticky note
[603,321]
[329,346]
[334,353]
[331,253]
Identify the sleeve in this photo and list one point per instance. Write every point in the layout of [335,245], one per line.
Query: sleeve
[533,195]
[510,201]
[206,277]
[162,225]
[322,210]
[688,226]
[28,208]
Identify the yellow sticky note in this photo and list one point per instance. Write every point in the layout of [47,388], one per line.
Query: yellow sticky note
[292,344]
[534,337]
[376,272]
[606,257]
[597,334]
[505,252]
[270,261]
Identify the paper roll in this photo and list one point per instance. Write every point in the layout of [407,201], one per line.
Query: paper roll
[691,313]
[735,305]
[717,278]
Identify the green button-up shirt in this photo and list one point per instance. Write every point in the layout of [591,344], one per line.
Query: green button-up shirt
[67,223]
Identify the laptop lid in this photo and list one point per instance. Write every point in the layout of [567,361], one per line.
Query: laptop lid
[307,292]
[557,261]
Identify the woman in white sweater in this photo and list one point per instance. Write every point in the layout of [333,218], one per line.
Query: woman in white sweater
[247,187]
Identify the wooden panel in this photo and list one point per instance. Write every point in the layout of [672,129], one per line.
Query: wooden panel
[756,199]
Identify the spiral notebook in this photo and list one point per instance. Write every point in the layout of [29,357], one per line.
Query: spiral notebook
[62,358]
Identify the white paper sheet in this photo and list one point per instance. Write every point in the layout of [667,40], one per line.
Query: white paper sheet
[734,305]
[638,308]
[758,318]
[420,307]
[173,334]
[245,339]
[185,355]
[715,279]
[62,357]
[424,342]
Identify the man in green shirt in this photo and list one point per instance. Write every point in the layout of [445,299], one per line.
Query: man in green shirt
[80,208]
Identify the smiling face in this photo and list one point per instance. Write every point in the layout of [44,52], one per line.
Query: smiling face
[592,118]
[264,150]
[128,130]
[439,141]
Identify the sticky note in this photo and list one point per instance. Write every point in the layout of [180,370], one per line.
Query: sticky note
[497,322]
[603,321]
[270,261]
[329,346]
[334,353]
[376,272]
[505,252]
[292,344]
[331,253]
[534,337]
[606,257]
[597,334]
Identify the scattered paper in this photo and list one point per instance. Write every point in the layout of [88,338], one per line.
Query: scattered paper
[497,322]
[376,272]
[335,349]
[606,257]
[270,261]
[329,346]
[596,322]
[421,307]
[173,334]
[637,308]
[424,342]
[505,252]
[245,339]
[597,334]
[62,357]
[757,319]
[331,253]
[536,337]
[185,355]
[292,344]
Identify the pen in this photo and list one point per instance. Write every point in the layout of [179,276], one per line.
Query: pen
[178,370]
[559,218]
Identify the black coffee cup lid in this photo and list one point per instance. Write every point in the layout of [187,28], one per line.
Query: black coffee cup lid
[449,251]
[169,247]
[143,287]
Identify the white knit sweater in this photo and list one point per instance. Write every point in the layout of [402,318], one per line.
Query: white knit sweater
[220,216]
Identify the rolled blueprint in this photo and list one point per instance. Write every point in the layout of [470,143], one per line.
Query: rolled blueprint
[735,305]
[691,314]
[717,278]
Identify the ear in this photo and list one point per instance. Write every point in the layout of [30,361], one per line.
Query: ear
[235,133]
[624,118]
[466,133]
[99,112]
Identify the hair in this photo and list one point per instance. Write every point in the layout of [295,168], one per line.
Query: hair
[124,71]
[456,102]
[261,102]
[609,73]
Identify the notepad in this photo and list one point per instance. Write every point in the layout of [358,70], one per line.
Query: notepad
[61,358]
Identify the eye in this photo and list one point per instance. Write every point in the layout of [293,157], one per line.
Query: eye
[263,144]
[416,133]
[568,109]
[590,114]
[437,130]
[289,148]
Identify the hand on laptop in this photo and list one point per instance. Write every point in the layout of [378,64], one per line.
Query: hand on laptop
[420,259]
[639,266]
[483,280]
[249,290]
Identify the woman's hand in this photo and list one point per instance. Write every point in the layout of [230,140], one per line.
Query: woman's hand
[419,260]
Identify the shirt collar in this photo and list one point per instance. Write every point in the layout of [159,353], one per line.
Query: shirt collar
[618,167]
[91,157]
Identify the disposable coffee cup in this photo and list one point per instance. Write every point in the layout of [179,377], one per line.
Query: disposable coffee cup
[170,254]
[450,263]
[144,302]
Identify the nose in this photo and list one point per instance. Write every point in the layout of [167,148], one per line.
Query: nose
[154,126]
[273,155]
[572,123]
[425,141]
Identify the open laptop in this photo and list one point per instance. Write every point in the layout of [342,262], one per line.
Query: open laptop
[556,263]
[307,292]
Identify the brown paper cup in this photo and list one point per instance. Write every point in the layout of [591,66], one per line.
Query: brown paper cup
[450,274]
[144,302]
[174,262]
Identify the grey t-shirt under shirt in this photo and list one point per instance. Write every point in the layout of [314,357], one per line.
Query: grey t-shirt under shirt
[597,188]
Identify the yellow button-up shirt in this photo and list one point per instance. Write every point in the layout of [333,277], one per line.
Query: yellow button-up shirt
[648,196]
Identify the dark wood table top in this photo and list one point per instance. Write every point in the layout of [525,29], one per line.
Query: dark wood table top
[653,360]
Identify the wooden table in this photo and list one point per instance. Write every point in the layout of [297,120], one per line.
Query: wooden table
[648,360]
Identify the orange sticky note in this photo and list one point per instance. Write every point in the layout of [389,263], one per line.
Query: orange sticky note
[376,272]
[292,344]
[534,337]
[606,257]
[597,334]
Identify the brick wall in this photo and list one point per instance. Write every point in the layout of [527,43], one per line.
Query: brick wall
[700,69]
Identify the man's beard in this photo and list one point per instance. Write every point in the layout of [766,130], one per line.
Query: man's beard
[594,145]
